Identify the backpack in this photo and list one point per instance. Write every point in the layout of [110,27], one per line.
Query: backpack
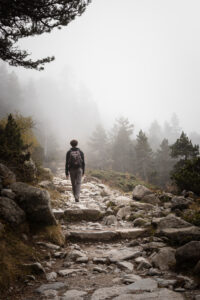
[75,160]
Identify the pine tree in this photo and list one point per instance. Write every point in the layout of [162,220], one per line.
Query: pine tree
[122,145]
[98,144]
[23,18]
[164,163]
[144,156]
[183,148]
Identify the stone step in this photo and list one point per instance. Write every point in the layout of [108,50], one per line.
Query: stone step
[83,214]
[104,235]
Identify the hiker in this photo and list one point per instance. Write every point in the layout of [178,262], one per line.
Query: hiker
[75,166]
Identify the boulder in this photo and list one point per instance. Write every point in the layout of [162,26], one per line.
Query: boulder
[197,268]
[123,212]
[110,220]
[8,193]
[179,202]
[6,175]
[151,198]
[30,170]
[35,202]
[140,191]
[171,221]
[188,253]
[181,235]
[11,212]
[139,222]
[164,259]
[46,173]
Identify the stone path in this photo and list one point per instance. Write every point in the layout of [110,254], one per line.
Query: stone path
[106,256]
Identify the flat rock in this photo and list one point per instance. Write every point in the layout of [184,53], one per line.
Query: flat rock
[73,295]
[171,221]
[181,235]
[79,214]
[58,213]
[92,235]
[131,233]
[51,286]
[161,294]
[115,255]
[67,272]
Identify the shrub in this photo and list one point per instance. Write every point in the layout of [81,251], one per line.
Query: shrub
[186,174]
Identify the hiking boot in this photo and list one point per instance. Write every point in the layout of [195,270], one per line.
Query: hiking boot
[76,200]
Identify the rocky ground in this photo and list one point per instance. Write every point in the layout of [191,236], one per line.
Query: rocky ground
[116,247]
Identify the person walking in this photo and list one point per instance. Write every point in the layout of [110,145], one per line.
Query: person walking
[75,166]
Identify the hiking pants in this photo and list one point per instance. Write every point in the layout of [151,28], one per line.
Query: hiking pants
[76,175]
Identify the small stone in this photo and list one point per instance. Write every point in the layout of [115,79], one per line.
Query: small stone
[99,270]
[143,263]
[125,265]
[51,276]
[100,260]
[73,295]
[51,286]
[83,259]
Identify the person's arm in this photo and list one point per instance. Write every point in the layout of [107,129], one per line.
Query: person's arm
[83,162]
[67,164]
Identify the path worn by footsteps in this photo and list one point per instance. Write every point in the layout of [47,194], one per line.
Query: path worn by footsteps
[106,256]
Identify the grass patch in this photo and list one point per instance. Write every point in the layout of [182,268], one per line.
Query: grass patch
[51,234]
[192,215]
[123,181]
[14,252]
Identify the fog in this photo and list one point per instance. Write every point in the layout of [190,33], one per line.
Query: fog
[137,59]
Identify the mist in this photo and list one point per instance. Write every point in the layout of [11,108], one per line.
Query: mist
[135,59]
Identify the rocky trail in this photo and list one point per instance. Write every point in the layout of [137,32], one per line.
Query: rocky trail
[112,251]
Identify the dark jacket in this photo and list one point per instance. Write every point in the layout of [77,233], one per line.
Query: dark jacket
[67,168]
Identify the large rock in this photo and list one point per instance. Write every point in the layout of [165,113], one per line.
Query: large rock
[188,253]
[35,202]
[11,212]
[161,294]
[181,235]
[171,221]
[164,259]
[143,285]
[180,202]
[140,191]
[6,175]
[151,198]
[88,214]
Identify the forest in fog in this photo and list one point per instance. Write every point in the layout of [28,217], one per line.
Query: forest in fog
[64,109]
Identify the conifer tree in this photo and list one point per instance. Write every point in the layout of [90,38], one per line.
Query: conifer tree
[164,163]
[183,148]
[23,18]
[122,145]
[98,144]
[144,156]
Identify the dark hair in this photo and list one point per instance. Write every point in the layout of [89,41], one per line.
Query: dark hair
[74,143]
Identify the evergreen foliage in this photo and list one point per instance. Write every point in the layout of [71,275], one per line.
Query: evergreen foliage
[163,163]
[144,156]
[11,141]
[121,144]
[98,144]
[23,18]
[184,148]
[186,174]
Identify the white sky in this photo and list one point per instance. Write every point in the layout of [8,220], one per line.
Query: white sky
[139,58]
